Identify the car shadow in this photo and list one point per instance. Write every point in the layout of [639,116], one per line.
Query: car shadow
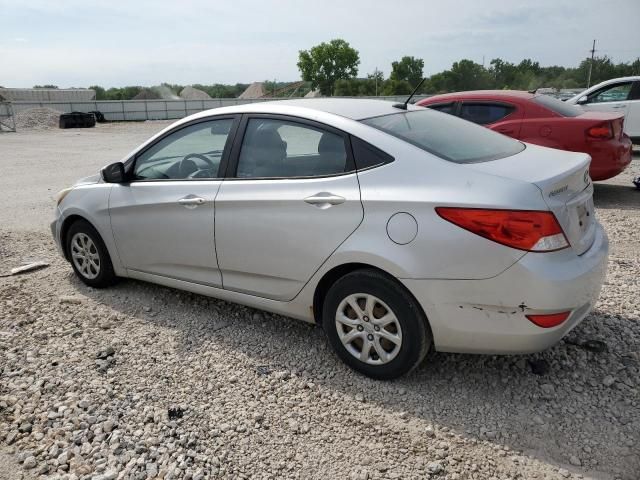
[612,196]
[495,399]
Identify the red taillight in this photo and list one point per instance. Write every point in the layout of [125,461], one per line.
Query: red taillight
[604,131]
[533,231]
[549,320]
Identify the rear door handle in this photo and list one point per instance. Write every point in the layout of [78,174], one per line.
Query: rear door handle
[619,106]
[191,201]
[324,200]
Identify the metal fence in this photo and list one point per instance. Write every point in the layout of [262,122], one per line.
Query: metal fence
[138,110]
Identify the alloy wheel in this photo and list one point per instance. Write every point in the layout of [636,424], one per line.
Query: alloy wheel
[85,256]
[368,329]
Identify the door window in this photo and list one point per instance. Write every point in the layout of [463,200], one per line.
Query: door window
[614,93]
[279,148]
[189,153]
[485,113]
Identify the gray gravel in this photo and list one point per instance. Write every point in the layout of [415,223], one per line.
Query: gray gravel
[141,381]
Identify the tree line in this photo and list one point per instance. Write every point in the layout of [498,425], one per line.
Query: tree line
[333,69]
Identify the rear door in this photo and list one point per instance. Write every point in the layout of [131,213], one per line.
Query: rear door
[291,197]
[503,117]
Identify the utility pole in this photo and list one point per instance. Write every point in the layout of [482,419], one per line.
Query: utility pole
[375,74]
[593,51]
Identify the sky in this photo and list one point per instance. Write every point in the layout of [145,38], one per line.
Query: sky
[146,42]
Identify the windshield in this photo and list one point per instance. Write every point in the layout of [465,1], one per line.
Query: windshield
[447,136]
[558,106]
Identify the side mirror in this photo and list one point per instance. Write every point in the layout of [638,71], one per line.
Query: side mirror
[113,173]
[582,100]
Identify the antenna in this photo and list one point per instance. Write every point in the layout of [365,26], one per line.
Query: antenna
[593,51]
[403,106]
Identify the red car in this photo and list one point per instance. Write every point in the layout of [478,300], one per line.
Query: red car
[547,121]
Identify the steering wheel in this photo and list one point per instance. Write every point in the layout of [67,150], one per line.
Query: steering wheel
[188,167]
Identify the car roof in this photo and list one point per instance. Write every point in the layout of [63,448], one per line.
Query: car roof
[352,108]
[485,94]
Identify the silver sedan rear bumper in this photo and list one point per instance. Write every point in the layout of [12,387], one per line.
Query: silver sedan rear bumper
[488,316]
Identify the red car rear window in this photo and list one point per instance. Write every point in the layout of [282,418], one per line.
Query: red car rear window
[558,106]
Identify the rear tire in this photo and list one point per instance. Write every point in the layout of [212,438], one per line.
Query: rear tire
[89,256]
[374,325]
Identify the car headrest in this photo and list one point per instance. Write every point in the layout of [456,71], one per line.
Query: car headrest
[331,143]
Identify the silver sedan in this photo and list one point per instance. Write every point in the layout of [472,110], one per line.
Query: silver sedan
[396,230]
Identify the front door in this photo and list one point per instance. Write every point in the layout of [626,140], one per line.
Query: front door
[616,98]
[163,220]
[292,200]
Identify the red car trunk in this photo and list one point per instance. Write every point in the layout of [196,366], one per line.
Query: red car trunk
[545,121]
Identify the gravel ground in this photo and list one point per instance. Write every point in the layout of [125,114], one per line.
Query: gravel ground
[141,381]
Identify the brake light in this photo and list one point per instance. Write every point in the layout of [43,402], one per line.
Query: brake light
[548,320]
[604,131]
[529,230]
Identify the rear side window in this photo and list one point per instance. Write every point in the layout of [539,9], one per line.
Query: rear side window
[449,108]
[446,136]
[558,106]
[282,149]
[367,156]
[485,113]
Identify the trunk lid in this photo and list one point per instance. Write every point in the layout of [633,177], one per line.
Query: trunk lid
[563,179]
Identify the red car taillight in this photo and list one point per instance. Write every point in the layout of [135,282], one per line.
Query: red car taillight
[548,320]
[604,131]
[533,231]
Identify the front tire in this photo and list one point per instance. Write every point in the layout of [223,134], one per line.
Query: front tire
[374,325]
[89,256]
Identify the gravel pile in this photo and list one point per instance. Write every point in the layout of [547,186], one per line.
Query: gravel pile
[190,93]
[37,119]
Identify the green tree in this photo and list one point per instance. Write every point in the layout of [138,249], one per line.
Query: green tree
[100,92]
[46,86]
[326,63]
[397,87]
[408,69]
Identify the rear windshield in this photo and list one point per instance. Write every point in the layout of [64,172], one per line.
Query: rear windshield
[446,136]
[558,106]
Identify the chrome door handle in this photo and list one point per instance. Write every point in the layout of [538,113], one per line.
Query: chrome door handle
[619,106]
[191,201]
[324,200]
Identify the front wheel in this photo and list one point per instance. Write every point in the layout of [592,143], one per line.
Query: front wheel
[375,326]
[89,256]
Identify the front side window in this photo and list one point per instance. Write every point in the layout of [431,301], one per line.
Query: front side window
[279,148]
[485,113]
[614,93]
[190,153]
[446,136]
